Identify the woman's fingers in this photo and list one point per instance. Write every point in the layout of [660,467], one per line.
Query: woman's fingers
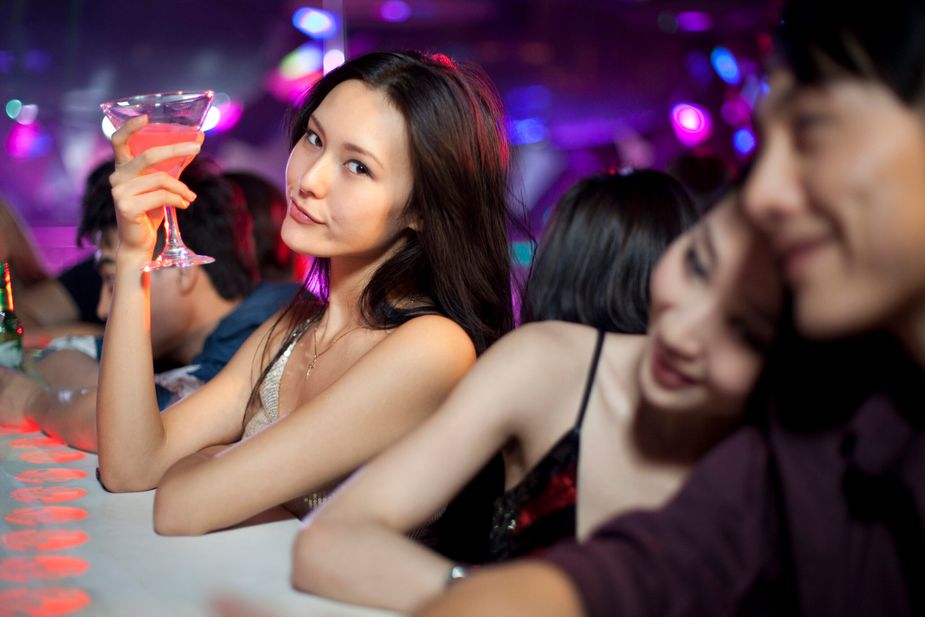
[120,139]
[149,182]
[147,202]
[152,156]
[149,192]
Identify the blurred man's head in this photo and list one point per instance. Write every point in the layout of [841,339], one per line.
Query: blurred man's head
[839,184]
[268,207]
[215,224]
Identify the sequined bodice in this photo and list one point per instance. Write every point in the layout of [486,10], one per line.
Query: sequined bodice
[269,413]
[540,509]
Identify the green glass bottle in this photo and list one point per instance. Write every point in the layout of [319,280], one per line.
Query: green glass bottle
[10,328]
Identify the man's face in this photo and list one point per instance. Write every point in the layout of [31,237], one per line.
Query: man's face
[167,301]
[839,188]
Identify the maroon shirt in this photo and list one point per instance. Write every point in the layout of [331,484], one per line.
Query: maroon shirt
[776,521]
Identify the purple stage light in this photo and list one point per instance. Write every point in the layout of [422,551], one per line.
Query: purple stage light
[694,21]
[692,124]
[27,141]
[394,11]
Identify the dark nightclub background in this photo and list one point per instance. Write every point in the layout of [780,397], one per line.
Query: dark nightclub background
[588,85]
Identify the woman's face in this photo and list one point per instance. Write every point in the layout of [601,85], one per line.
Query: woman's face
[715,301]
[349,178]
[839,188]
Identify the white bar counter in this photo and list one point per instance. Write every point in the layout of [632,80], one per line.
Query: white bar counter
[67,547]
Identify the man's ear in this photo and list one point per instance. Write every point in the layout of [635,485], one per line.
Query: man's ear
[187,279]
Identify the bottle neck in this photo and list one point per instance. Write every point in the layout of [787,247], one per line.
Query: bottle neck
[6,288]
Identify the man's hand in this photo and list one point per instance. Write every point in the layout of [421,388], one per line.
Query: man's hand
[19,395]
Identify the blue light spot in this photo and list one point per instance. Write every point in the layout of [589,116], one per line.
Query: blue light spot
[529,131]
[13,107]
[743,141]
[315,22]
[522,251]
[725,65]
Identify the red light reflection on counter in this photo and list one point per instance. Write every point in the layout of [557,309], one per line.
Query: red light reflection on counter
[48,494]
[52,456]
[43,515]
[41,568]
[36,442]
[25,428]
[54,474]
[42,601]
[42,539]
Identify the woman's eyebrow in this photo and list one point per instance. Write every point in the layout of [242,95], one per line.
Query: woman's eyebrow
[359,150]
[347,146]
[313,119]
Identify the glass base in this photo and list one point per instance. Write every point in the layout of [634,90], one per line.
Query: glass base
[177,257]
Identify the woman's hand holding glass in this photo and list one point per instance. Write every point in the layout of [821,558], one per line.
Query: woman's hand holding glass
[140,195]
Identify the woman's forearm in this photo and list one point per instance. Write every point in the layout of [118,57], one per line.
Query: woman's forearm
[366,563]
[129,428]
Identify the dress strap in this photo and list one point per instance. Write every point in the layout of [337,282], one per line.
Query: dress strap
[594,361]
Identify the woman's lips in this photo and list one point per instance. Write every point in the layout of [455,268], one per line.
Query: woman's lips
[665,372]
[301,216]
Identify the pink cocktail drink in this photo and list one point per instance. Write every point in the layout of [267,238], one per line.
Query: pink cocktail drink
[173,117]
[160,134]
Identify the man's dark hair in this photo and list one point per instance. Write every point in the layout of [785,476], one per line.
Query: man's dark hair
[215,224]
[268,207]
[824,40]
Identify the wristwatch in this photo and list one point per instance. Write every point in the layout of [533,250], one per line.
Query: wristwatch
[456,573]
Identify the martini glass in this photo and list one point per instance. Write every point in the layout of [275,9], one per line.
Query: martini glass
[173,117]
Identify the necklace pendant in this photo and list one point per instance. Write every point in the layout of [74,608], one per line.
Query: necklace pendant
[311,367]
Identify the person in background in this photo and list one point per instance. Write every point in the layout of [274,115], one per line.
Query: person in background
[267,205]
[819,509]
[591,422]
[200,316]
[44,305]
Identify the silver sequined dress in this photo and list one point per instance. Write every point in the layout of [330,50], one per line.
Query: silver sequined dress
[269,413]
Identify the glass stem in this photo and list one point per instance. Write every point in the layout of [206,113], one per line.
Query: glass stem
[171,229]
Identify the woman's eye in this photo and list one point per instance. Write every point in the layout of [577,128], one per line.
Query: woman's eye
[808,128]
[312,138]
[356,167]
[694,264]
[747,335]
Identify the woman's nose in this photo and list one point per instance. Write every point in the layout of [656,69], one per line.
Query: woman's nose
[315,178]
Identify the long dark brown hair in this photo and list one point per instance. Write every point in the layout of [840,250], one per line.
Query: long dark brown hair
[458,263]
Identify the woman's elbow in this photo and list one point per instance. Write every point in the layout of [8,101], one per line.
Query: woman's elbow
[116,480]
[172,518]
[309,555]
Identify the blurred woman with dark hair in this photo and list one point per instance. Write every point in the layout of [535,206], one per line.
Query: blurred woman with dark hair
[598,250]
[590,422]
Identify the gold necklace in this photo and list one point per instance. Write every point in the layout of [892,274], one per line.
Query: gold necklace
[317,354]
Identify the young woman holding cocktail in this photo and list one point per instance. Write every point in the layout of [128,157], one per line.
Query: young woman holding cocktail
[397,184]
